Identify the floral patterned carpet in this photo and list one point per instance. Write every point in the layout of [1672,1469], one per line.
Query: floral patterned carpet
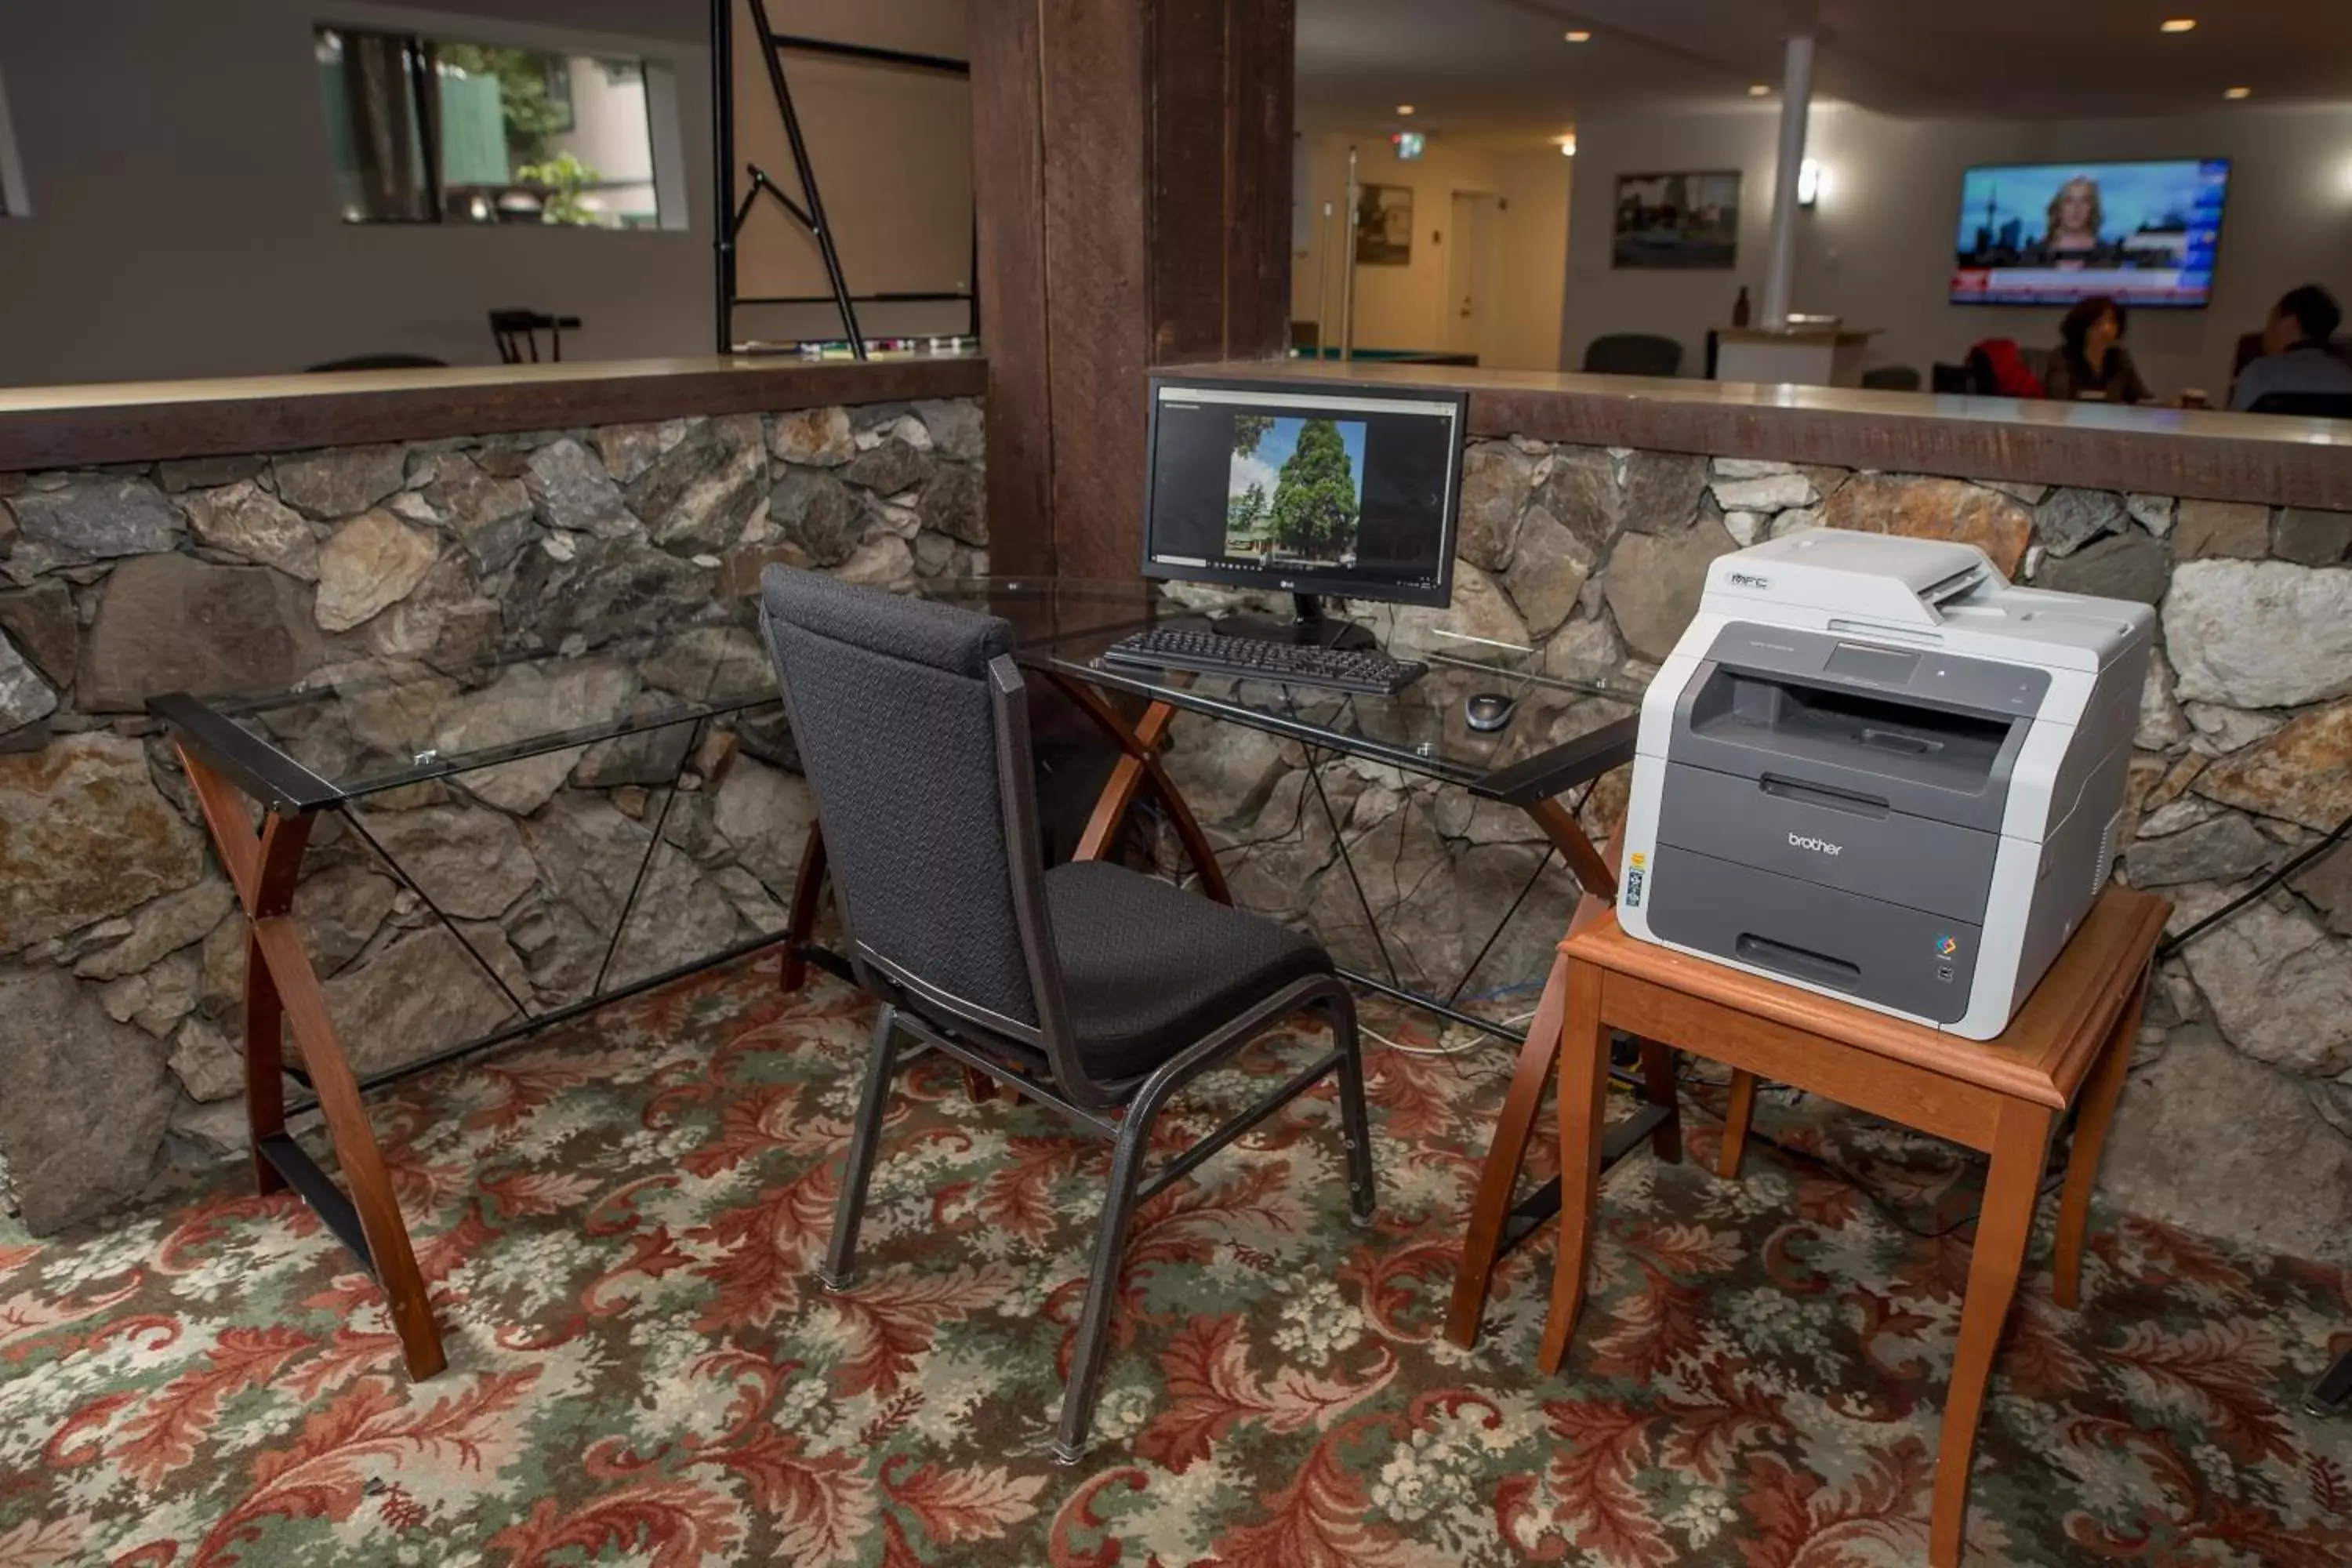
[620,1220]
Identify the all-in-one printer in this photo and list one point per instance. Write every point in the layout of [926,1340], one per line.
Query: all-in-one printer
[1872,768]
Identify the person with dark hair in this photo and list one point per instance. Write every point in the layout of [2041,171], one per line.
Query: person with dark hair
[2298,355]
[2092,364]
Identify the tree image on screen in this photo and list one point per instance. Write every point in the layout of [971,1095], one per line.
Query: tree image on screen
[1295,491]
[1245,514]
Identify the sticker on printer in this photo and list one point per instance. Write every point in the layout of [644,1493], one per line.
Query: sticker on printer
[1633,887]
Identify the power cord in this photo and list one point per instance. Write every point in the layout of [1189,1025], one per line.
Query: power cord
[1476,1039]
[2179,939]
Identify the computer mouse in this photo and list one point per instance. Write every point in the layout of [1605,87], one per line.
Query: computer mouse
[1488,709]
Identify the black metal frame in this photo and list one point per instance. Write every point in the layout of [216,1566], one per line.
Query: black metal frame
[1041,1061]
[2332,1393]
[284,787]
[809,212]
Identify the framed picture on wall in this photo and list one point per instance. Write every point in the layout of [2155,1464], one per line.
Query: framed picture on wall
[1684,220]
[1384,225]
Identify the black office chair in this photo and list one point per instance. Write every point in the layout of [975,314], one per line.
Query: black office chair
[517,332]
[1891,378]
[2310,404]
[1632,354]
[1089,988]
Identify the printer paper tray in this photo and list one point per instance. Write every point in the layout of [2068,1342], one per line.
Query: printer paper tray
[1843,841]
[1831,940]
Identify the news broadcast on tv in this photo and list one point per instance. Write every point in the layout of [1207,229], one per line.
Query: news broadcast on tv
[2050,234]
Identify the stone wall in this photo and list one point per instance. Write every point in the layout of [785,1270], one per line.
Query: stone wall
[121,957]
[2241,1122]
[119,954]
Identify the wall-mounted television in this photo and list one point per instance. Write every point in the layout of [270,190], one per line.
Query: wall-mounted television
[2145,232]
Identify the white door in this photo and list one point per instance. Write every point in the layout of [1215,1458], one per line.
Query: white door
[1472,261]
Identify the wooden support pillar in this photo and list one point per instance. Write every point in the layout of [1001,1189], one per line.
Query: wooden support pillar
[1131,176]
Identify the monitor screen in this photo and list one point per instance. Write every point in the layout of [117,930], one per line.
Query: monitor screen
[1282,486]
[2051,234]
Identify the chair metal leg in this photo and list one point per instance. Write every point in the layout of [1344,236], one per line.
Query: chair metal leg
[865,1138]
[1355,1124]
[2332,1393]
[1102,1281]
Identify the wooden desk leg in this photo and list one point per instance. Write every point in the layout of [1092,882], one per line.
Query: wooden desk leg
[280,943]
[2093,1111]
[1140,766]
[1658,1085]
[1583,1101]
[2020,1143]
[265,1058]
[1736,1117]
[808,889]
[1498,1177]
[282,995]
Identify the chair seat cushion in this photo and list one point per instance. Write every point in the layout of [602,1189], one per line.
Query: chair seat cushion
[1149,968]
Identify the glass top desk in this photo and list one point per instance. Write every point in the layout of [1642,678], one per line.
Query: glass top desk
[601,756]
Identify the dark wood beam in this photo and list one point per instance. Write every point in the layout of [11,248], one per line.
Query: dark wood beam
[1133,185]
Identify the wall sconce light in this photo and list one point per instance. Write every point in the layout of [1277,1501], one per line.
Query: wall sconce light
[1568,146]
[1810,180]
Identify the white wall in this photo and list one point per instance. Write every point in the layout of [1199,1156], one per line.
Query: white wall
[1877,251]
[184,218]
[1410,307]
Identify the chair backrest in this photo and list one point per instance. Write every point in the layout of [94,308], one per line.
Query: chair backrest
[517,331]
[1891,378]
[1632,354]
[912,731]
[2311,405]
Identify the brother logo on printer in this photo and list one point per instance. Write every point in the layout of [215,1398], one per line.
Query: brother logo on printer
[1818,846]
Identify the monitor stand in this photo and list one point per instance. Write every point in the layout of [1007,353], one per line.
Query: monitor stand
[1307,626]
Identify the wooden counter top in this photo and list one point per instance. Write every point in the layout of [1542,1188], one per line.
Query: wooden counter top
[2268,458]
[141,421]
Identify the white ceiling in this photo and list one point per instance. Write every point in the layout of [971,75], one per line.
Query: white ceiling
[1501,65]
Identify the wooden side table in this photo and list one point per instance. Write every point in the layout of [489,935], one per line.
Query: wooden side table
[2072,1039]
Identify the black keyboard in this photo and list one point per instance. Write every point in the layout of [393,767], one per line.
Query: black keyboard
[1361,670]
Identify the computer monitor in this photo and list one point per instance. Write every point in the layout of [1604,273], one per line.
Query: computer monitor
[1307,489]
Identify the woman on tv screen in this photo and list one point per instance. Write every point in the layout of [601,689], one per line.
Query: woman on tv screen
[2092,363]
[2073,238]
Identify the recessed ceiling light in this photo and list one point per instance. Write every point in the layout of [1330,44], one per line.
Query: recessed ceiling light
[1404,109]
[1759,89]
[2176,25]
[2238,92]
[1577,35]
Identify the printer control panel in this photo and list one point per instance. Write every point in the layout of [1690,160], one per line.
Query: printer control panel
[1914,674]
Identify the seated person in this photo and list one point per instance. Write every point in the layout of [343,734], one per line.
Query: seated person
[2296,356]
[2092,364]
